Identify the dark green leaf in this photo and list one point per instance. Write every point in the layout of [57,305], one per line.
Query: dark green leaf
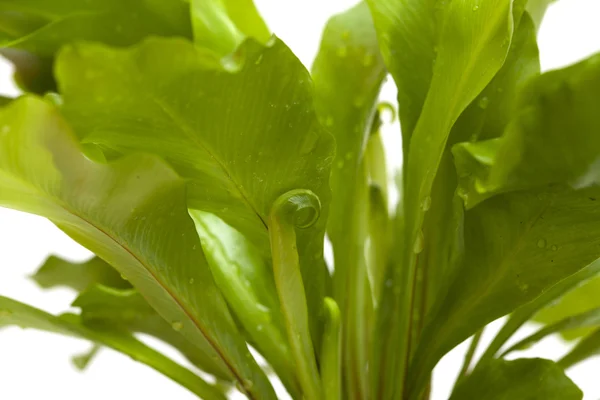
[586,348]
[242,137]
[524,379]
[133,214]
[15,313]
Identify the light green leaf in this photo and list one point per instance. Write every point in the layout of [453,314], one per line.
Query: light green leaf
[78,276]
[127,310]
[222,25]
[523,379]
[348,73]
[133,214]
[468,56]
[242,138]
[15,313]
[81,361]
[586,348]
[589,319]
[522,243]
[246,280]
[331,352]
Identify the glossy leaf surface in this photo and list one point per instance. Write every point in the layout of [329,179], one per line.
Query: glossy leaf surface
[133,214]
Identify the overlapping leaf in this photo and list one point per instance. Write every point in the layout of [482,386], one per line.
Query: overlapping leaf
[15,313]
[348,73]
[133,214]
[547,224]
[36,29]
[242,137]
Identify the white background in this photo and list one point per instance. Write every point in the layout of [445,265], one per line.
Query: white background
[36,365]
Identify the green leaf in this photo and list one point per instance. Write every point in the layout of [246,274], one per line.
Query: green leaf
[586,348]
[523,379]
[589,319]
[246,280]
[170,98]
[580,300]
[527,311]
[127,310]
[78,276]
[81,361]
[36,29]
[537,9]
[522,243]
[468,57]
[222,25]
[15,313]
[133,214]
[348,73]
[331,352]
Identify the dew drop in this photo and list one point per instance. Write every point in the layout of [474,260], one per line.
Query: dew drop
[191,281]
[419,243]
[329,121]
[342,51]
[177,326]
[426,204]
[554,247]
[340,164]
[124,277]
[348,155]
[541,243]
[259,328]
[484,103]
[475,8]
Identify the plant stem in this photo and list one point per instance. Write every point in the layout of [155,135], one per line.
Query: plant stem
[297,208]
[469,356]
[331,352]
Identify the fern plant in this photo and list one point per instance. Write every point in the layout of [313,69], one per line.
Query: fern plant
[193,153]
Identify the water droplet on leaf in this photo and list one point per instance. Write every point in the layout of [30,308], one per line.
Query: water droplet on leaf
[177,326]
[426,204]
[554,247]
[419,243]
[475,8]
[192,281]
[484,103]
[329,121]
[541,243]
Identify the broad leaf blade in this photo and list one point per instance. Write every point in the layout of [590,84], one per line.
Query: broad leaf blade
[133,214]
[36,29]
[586,348]
[242,137]
[522,243]
[523,379]
[15,313]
